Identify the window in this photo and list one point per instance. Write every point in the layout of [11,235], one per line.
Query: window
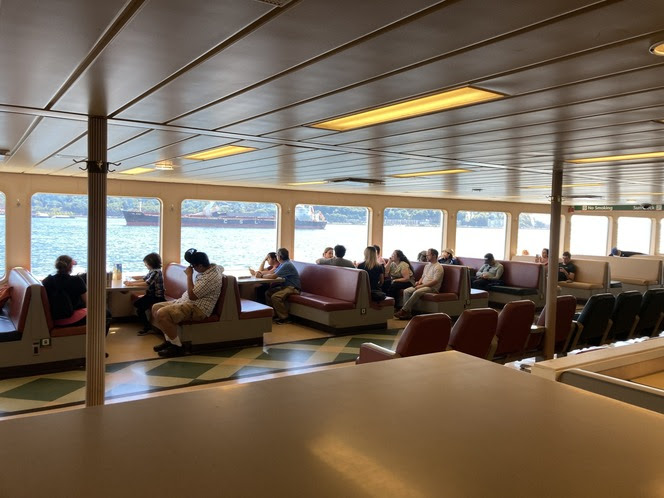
[60,226]
[233,234]
[412,230]
[478,233]
[634,234]
[589,235]
[533,234]
[317,227]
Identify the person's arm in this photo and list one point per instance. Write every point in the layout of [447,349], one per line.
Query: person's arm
[189,271]
[262,266]
[405,275]
[572,273]
[499,273]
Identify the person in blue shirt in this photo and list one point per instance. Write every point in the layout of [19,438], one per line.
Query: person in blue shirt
[277,295]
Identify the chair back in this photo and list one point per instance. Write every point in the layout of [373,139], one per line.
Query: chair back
[565,309]
[473,331]
[595,318]
[624,313]
[650,314]
[513,328]
[425,334]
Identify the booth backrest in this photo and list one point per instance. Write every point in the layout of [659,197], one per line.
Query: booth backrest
[523,258]
[22,283]
[455,280]
[591,272]
[521,274]
[418,269]
[640,267]
[175,280]
[473,263]
[330,281]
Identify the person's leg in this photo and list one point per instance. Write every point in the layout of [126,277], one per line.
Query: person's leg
[278,299]
[142,305]
[168,318]
[480,283]
[414,295]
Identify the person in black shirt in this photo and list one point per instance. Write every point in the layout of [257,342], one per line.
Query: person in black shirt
[566,269]
[376,272]
[67,294]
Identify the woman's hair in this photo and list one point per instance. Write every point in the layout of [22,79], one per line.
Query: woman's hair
[153,260]
[422,256]
[328,249]
[402,257]
[547,252]
[370,260]
[63,263]
[272,255]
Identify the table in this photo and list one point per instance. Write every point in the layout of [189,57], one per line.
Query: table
[443,424]
[118,298]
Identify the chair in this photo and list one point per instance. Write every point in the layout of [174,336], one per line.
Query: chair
[424,334]
[513,329]
[594,322]
[473,332]
[624,315]
[565,309]
[650,314]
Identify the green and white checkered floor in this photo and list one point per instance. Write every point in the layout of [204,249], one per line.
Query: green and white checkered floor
[26,394]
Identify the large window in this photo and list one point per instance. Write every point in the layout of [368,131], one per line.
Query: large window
[3,239]
[533,234]
[589,235]
[233,234]
[478,233]
[634,234]
[60,226]
[317,227]
[412,230]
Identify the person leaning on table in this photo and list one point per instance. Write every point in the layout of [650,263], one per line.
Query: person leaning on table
[277,295]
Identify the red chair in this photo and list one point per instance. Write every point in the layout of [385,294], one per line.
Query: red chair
[514,325]
[424,334]
[473,332]
[565,309]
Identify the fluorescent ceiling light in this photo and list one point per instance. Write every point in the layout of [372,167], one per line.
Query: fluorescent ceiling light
[626,157]
[643,193]
[569,185]
[410,108]
[657,49]
[318,182]
[426,191]
[432,173]
[226,150]
[136,171]
[164,165]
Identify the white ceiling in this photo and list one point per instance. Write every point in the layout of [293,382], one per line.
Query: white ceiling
[178,77]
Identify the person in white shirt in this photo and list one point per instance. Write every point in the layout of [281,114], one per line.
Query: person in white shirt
[431,279]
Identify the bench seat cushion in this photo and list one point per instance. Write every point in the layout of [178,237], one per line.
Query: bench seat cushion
[478,294]
[252,309]
[440,297]
[636,281]
[8,331]
[68,331]
[515,291]
[321,302]
[214,317]
[580,285]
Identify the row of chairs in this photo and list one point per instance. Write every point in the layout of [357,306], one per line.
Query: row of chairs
[511,335]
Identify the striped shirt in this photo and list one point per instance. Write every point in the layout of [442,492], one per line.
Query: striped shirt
[207,287]
[155,281]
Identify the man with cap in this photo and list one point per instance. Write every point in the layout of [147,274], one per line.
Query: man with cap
[489,273]
[197,302]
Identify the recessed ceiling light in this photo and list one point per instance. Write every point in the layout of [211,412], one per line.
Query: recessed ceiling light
[136,171]
[410,108]
[432,173]
[569,185]
[657,49]
[427,191]
[625,157]
[318,182]
[226,150]
[164,165]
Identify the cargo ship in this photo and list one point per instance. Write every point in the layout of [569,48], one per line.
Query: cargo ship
[306,218]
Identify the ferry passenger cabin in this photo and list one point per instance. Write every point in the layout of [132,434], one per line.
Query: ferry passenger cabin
[481,126]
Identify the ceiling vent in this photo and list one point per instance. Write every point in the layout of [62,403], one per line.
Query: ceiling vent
[276,3]
[350,179]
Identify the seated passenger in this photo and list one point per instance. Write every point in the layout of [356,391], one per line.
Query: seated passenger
[623,254]
[338,259]
[277,295]
[422,257]
[566,269]
[431,279]
[398,274]
[153,294]
[544,258]
[67,294]
[489,273]
[197,302]
[328,253]
[272,264]
[376,272]
[447,258]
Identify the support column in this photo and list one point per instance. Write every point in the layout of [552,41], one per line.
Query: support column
[95,343]
[554,250]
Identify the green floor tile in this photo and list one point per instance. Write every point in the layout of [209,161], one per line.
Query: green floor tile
[285,354]
[345,357]
[44,389]
[247,371]
[183,369]
[224,353]
[356,342]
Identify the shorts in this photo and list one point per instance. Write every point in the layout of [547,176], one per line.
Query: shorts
[179,312]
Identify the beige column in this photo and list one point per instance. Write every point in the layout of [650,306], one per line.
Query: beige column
[552,276]
[97,171]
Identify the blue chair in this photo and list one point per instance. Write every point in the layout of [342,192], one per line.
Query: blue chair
[650,314]
[624,315]
[594,322]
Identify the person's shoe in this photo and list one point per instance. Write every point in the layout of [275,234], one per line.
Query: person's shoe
[145,331]
[402,315]
[282,321]
[160,347]
[172,351]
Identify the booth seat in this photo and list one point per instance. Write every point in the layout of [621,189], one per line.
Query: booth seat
[523,280]
[640,272]
[29,341]
[338,299]
[591,277]
[234,321]
[453,296]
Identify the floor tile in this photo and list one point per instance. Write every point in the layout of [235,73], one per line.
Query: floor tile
[44,389]
[285,354]
[182,369]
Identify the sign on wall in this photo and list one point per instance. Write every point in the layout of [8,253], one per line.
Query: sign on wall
[618,207]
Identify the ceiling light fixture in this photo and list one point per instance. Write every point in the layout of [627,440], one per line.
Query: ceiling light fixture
[625,157]
[164,165]
[569,185]
[297,184]
[136,171]
[226,150]
[657,49]
[432,173]
[410,108]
